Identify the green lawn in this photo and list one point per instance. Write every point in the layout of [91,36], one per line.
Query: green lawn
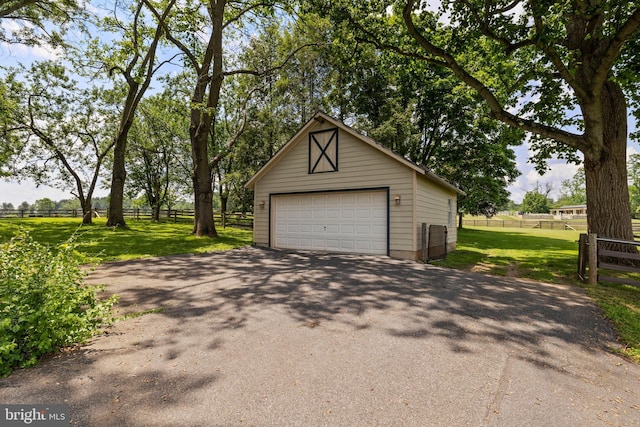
[98,243]
[549,256]
[545,255]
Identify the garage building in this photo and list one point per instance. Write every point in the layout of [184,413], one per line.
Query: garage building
[333,189]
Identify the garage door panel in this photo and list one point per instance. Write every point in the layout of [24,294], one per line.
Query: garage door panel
[347,214]
[347,228]
[363,245]
[333,228]
[319,201]
[337,222]
[363,213]
[378,229]
[379,213]
[305,243]
[306,213]
[333,213]
[333,244]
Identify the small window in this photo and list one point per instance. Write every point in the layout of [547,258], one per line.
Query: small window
[450,211]
[323,151]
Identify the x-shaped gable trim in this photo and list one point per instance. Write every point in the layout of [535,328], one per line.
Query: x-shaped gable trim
[319,151]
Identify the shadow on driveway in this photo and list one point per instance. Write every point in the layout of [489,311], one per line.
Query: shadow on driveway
[262,337]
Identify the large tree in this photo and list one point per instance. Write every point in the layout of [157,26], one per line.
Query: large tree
[200,39]
[550,68]
[567,55]
[138,27]
[435,121]
[60,133]
[159,154]
[211,61]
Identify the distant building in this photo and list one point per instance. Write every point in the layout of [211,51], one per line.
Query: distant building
[570,212]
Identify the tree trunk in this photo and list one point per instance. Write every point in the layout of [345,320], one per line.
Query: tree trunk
[460,215]
[203,188]
[156,212]
[608,208]
[201,123]
[118,176]
[87,212]
[223,207]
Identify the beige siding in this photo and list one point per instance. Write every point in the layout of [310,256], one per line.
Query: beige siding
[432,207]
[360,166]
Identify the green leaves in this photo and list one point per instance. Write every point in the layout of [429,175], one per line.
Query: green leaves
[30,20]
[535,202]
[44,304]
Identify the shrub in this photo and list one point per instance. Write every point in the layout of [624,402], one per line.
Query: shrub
[44,303]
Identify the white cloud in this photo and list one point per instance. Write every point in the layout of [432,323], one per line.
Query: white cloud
[558,171]
[26,54]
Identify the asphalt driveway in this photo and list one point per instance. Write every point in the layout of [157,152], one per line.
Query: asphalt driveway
[261,337]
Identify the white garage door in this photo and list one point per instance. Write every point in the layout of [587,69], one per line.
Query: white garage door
[354,221]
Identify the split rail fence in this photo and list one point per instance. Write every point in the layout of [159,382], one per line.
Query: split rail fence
[542,224]
[232,219]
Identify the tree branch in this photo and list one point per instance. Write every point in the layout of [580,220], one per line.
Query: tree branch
[244,11]
[12,8]
[234,138]
[177,43]
[626,31]
[497,111]
[552,54]
[272,69]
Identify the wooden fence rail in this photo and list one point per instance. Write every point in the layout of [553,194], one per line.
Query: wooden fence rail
[602,257]
[543,224]
[234,219]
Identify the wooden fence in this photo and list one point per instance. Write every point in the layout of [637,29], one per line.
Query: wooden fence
[233,219]
[546,225]
[608,260]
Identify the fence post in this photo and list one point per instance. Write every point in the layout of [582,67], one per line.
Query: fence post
[593,259]
[424,242]
[582,256]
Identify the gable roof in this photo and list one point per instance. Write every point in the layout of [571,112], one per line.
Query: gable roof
[322,118]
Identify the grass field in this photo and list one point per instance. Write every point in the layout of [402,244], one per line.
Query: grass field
[549,256]
[98,243]
[545,255]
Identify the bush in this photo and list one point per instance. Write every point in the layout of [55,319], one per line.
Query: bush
[44,303]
